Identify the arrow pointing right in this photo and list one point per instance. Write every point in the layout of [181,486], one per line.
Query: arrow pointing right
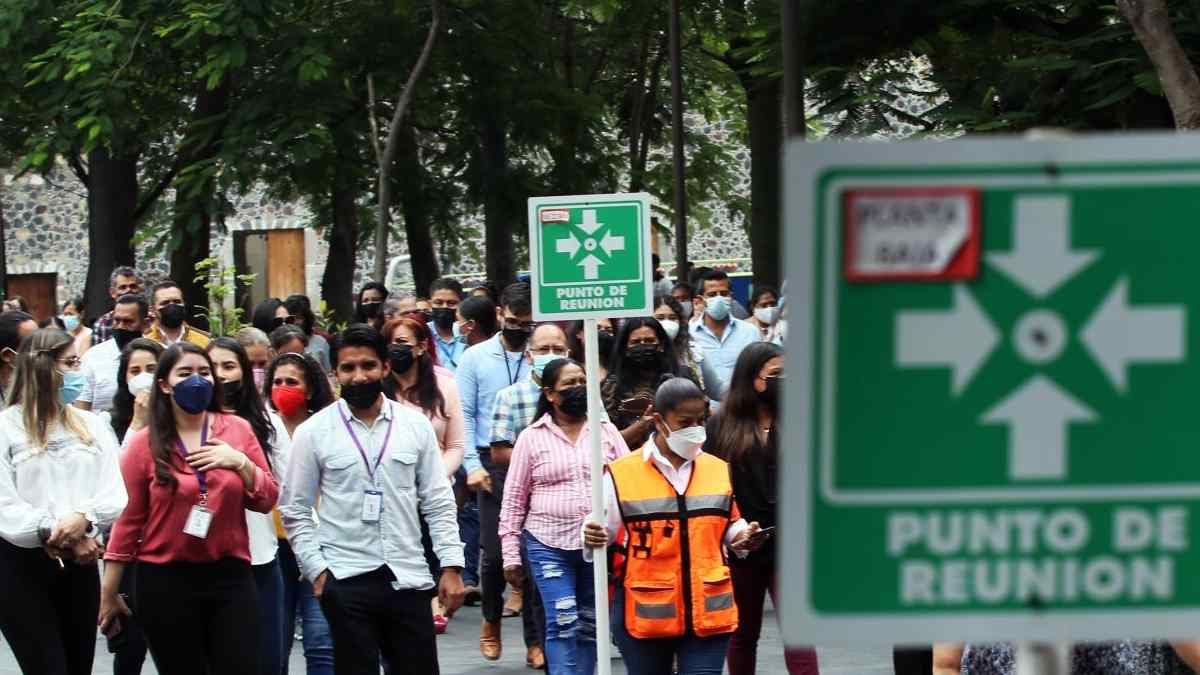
[1042,259]
[1118,335]
[591,266]
[1037,416]
[960,339]
[569,245]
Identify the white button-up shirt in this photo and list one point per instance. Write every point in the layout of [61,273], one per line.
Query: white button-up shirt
[99,368]
[326,465]
[264,540]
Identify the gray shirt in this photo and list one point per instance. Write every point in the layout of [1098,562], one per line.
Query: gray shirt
[326,465]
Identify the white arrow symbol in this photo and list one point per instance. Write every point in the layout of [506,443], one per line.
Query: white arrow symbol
[960,339]
[589,224]
[569,245]
[1118,335]
[610,243]
[1037,416]
[1042,259]
[591,266]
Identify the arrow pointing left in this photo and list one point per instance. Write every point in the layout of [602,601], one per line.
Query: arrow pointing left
[960,339]
[610,243]
[1118,335]
[1037,416]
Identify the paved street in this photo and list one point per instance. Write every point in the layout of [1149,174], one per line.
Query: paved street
[459,653]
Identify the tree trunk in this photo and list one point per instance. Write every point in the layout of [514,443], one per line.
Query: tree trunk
[1151,24]
[764,103]
[677,141]
[337,281]
[416,214]
[498,224]
[112,201]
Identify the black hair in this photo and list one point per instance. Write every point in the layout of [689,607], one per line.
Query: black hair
[760,291]
[358,335]
[138,299]
[249,405]
[359,315]
[76,300]
[737,419]
[301,307]
[629,377]
[162,285]
[482,311]
[709,275]
[575,343]
[263,317]
[285,334]
[122,410]
[550,375]
[10,328]
[675,391]
[446,284]
[517,298]
[320,394]
[161,425]
[685,286]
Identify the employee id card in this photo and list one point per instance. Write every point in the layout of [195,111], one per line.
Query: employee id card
[198,522]
[372,506]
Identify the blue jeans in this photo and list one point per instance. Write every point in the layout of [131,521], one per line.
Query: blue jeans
[298,596]
[565,581]
[270,599]
[468,529]
[697,656]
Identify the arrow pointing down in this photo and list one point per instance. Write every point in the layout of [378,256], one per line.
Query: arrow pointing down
[1037,416]
[1041,258]
[591,266]
[960,339]
[1118,335]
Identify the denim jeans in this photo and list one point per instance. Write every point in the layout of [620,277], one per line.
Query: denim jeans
[298,596]
[269,582]
[468,529]
[643,656]
[565,581]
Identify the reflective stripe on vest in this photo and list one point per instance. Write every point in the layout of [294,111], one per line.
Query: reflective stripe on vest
[668,507]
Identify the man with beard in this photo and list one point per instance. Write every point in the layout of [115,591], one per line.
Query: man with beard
[170,317]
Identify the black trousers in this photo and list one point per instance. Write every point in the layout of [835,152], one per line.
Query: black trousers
[491,573]
[368,617]
[129,646]
[200,618]
[48,613]
[912,660]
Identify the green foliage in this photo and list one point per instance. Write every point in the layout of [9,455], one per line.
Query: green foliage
[220,283]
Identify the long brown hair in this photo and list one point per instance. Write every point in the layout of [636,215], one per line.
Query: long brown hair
[426,393]
[737,420]
[36,386]
[161,423]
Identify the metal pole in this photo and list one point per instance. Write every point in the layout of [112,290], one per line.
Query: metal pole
[591,351]
[680,202]
[795,124]
[1041,658]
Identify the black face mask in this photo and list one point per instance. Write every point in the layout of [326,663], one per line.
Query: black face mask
[172,316]
[401,358]
[572,402]
[371,309]
[770,395]
[644,356]
[124,337]
[605,340]
[443,318]
[516,338]
[277,322]
[232,393]
[362,396]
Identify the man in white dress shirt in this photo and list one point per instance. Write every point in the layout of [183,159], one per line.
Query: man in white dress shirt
[376,469]
[130,317]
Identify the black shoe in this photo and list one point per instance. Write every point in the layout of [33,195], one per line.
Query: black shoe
[473,597]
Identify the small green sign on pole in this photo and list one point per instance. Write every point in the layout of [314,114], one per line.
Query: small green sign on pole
[589,256]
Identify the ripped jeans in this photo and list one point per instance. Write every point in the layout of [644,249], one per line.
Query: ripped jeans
[564,580]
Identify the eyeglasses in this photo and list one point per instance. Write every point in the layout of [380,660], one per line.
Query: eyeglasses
[542,351]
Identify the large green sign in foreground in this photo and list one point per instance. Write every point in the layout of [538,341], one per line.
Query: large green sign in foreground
[993,426]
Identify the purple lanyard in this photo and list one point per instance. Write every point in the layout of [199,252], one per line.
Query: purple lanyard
[363,453]
[183,451]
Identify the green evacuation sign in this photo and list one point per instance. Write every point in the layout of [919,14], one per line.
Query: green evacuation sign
[589,256]
[993,427]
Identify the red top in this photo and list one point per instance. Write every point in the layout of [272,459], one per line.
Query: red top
[156,515]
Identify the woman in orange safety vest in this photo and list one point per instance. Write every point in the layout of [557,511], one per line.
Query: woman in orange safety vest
[675,503]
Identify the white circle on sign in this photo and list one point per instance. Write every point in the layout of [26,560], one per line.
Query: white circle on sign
[1040,336]
[589,244]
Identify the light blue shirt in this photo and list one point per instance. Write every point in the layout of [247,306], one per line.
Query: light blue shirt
[449,351]
[722,353]
[325,465]
[483,371]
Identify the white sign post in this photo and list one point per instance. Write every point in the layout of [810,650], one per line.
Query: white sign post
[589,258]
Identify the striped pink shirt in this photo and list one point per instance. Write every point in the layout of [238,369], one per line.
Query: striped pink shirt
[548,489]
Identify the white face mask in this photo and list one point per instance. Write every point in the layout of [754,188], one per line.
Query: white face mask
[767,315]
[670,327]
[686,442]
[141,382]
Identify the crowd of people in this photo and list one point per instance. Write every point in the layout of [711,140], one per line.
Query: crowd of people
[365,483]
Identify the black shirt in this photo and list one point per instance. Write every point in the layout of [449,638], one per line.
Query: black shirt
[752,476]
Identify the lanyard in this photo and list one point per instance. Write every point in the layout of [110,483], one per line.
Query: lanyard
[201,476]
[363,453]
[446,351]
[511,380]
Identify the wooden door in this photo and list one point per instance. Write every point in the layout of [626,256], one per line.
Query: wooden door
[39,291]
[285,263]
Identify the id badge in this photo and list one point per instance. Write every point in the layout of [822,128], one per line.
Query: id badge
[372,506]
[198,522]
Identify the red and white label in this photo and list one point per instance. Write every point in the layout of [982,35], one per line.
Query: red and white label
[556,216]
[916,234]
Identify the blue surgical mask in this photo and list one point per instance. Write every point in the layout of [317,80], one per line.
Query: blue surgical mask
[193,394]
[718,307]
[70,321]
[72,386]
[540,361]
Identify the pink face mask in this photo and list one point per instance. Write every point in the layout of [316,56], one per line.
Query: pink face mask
[260,376]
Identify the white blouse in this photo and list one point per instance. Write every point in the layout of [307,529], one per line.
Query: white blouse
[39,487]
[264,540]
